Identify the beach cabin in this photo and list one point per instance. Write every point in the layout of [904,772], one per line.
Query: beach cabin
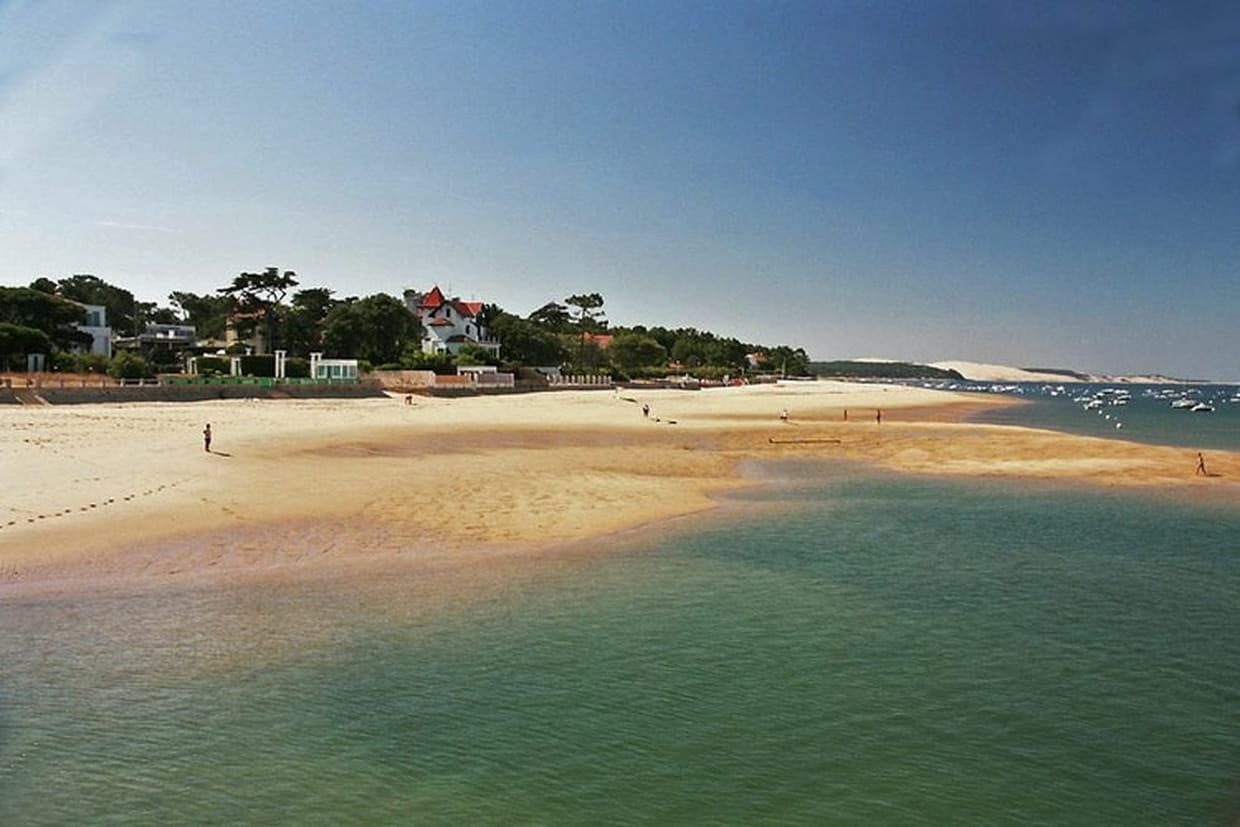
[332,370]
[449,324]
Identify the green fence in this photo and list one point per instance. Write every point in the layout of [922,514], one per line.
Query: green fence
[255,381]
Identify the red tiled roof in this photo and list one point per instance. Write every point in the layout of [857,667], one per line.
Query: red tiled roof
[467,308]
[432,299]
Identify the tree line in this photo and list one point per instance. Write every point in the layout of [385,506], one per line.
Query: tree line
[377,329]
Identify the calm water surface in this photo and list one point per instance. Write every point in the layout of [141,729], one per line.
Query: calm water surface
[845,649]
[1137,413]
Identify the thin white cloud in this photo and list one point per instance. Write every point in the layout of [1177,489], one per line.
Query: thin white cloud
[124,225]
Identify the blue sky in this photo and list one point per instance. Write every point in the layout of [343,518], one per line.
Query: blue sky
[1037,184]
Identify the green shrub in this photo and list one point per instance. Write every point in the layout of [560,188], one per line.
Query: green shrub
[258,365]
[126,365]
[295,367]
[214,366]
[166,361]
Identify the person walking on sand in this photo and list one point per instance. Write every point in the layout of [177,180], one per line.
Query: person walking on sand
[645,410]
[878,416]
[206,438]
[1201,466]
[783,415]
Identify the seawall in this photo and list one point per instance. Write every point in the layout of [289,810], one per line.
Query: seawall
[186,393]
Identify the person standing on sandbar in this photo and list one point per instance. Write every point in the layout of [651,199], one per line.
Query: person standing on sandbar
[206,438]
[1201,466]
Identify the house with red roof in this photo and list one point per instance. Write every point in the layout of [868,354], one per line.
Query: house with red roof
[449,324]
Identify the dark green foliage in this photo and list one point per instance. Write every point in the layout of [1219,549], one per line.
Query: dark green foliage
[376,328]
[305,319]
[262,294]
[65,361]
[296,367]
[208,314]
[633,350]
[552,317]
[1068,375]
[472,354]
[379,329]
[17,340]
[120,303]
[526,343]
[126,365]
[166,361]
[149,312]
[694,348]
[214,366]
[787,361]
[258,365]
[56,318]
[414,359]
[589,315]
[881,370]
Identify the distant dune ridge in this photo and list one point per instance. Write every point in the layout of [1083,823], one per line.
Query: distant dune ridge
[981,372]
[985,372]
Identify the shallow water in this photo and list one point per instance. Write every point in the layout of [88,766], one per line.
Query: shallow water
[1144,416]
[837,649]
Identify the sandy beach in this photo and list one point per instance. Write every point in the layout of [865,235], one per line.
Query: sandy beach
[98,492]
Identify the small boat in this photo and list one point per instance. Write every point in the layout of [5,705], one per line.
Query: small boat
[1185,402]
[1201,407]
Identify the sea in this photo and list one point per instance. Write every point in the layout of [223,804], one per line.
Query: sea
[835,646]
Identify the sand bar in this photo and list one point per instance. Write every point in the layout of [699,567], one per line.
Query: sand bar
[108,491]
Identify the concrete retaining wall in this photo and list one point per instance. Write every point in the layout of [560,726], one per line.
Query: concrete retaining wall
[200,393]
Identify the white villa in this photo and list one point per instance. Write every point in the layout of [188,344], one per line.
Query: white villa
[97,326]
[448,324]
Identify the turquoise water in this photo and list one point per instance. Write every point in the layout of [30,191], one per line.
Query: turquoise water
[843,648]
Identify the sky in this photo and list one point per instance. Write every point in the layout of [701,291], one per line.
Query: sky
[1051,184]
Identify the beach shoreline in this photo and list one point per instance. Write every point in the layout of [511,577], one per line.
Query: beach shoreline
[113,493]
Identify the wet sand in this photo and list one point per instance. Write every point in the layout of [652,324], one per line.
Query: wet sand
[109,493]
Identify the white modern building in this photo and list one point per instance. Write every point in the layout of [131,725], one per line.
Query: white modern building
[97,327]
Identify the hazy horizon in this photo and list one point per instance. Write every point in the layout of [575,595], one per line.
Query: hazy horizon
[1036,186]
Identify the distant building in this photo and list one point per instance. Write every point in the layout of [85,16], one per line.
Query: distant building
[247,329]
[449,324]
[332,369]
[602,340]
[156,336]
[96,327]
